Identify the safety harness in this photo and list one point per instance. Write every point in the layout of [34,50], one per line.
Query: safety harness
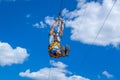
[50,47]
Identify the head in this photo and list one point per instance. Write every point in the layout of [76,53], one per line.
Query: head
[58,52]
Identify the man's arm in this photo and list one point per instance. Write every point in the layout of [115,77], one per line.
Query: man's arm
[62,27]
[52,28]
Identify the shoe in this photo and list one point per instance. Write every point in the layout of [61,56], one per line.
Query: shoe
[62,49]
[67,50]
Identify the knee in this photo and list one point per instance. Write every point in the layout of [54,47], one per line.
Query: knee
[51,32]
[61,34]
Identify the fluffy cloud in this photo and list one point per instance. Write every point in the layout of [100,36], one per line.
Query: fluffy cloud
[108,75]
[39,25]
[57,72]
[9,56]
[48,21]
[58,64]
[87,19]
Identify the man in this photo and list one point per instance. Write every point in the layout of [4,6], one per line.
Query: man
[55,34]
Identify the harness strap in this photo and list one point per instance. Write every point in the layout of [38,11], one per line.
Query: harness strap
[56,43]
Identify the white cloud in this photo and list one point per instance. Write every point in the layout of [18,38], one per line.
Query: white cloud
[58,64]
[80,3]
[39,25]
[87,19]
[48,21]
[57,72]
[108,75]
[9,56]
[42,24]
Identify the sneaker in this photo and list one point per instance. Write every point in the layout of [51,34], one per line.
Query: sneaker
[62,49]
[67,50]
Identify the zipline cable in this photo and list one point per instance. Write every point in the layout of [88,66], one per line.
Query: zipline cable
[101,26]
[104,22]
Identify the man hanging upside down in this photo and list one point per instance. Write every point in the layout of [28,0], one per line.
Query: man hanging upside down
[55,35]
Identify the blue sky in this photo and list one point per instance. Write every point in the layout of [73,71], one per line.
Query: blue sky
[24,27]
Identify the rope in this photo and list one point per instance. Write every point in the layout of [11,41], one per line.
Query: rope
[49,74]
[59,15]
[49,71]
[60,9]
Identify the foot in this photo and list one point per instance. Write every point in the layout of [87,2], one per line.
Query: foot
[62,49]
[67,50]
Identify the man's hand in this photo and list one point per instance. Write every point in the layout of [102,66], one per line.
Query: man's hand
[62,21]
[59,19]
